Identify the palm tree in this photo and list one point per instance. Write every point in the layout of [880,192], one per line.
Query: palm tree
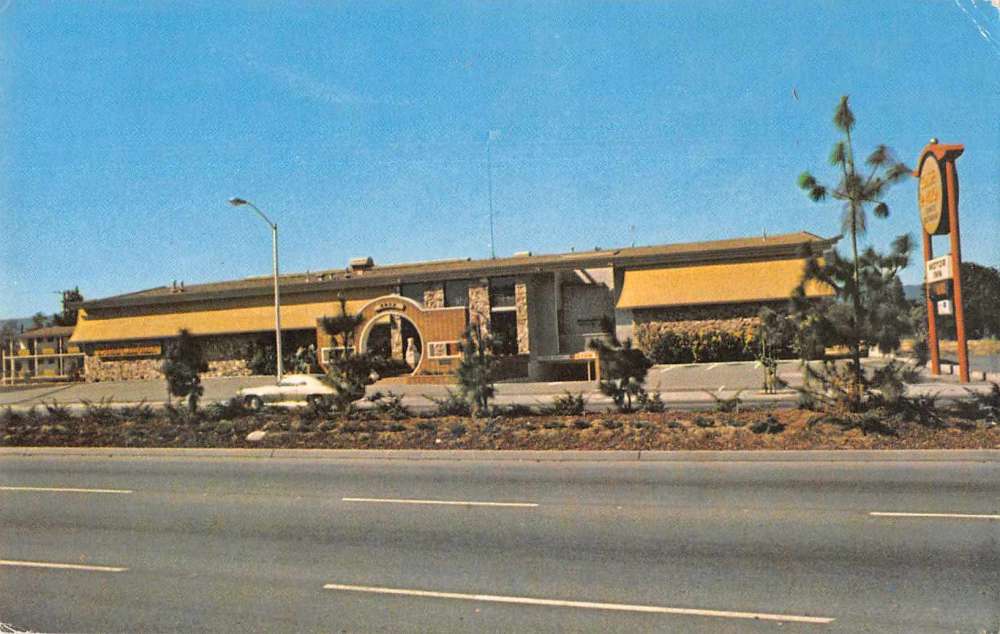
[857,192]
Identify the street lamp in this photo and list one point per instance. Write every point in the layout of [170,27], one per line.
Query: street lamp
[239,202]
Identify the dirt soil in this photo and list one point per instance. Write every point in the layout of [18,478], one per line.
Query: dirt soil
[758,429]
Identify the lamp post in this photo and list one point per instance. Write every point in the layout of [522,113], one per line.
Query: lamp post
[239,202]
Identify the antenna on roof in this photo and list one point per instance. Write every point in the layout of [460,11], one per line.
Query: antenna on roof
[493,134]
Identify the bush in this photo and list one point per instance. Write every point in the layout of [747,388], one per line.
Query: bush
[704,421]
[458,430]
[348,376]
[623,369]
[141,412]
[451,405]
[100,412]
[769,425]
[664,344]
[568,404]
[581,423]
[554,424]
[57,412]
[611,423]
[477,370]
[390,405]
[726,404]
[651,402]
[426,425]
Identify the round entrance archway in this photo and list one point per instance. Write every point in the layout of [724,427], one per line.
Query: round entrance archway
[377,338]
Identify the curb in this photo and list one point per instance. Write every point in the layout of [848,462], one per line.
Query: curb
[473,455]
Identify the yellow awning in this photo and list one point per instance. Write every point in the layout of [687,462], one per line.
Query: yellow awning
[715,284]
[167,322]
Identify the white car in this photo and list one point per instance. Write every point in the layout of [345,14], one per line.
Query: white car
[293,387]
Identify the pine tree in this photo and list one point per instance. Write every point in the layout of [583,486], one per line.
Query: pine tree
[476,370]
[183,363]
[857,192]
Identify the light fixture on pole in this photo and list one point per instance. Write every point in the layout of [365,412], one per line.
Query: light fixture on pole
[239,202]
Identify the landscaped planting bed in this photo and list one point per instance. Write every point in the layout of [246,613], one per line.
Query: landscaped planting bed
[229,425]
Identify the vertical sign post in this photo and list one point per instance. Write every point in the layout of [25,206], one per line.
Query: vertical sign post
[937,198]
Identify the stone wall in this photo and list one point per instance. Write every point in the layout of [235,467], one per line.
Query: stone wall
[98,370]
[521,302]
[479,304]
[434,296]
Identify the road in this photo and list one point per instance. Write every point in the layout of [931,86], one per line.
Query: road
[682,386]
[737,544]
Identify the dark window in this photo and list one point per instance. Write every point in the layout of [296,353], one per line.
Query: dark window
[456,293]
[502,292]
[503,325]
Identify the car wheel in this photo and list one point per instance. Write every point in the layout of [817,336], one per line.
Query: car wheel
[253,403]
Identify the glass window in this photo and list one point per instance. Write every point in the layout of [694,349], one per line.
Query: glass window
[414,291]
[503,325]
[502,292]
[456,293]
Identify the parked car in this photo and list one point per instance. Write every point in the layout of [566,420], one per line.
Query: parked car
[293,387]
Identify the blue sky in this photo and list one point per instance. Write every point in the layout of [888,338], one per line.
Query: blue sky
[361,128]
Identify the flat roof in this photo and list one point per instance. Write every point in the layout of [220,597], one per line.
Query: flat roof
[691,253]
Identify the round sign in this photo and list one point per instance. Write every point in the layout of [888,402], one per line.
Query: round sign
[930,197]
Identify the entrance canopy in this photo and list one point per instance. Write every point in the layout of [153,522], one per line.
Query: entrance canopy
[715,284]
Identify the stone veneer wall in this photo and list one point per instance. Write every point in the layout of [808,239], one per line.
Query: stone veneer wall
[521,303]
[479,304]
[225,355]
[434,296]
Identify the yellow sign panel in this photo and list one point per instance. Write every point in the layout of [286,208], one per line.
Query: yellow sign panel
[930,197]
[149,350]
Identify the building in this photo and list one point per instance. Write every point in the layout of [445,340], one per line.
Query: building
[541,309]
[43,354]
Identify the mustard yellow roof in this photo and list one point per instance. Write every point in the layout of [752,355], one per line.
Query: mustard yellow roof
[217,321]
[715,284]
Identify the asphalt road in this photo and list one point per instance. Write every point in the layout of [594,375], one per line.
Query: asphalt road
[255,544]
[682,386]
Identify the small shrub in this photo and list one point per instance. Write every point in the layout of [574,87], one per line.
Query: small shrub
[457,430]
[611,423]
[426,425]
[451,405]
[567,404]
[651,402]
[396,427]
[56,411]
[674,425]
[769,425]
[704,421]
[581,423]
[141,412]
[726,404]
[641,424]
[554,424]
[100,412]
[390,405]
[11,418]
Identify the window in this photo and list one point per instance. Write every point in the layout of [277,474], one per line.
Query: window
[503,325]
[502,294]
[456,293]
[414,291]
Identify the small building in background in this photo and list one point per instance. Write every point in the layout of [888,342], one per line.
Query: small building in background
[43,354]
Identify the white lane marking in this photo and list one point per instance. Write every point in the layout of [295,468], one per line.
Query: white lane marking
[47,564]
[961,516]
[621,607]
[63,490]
[444,502]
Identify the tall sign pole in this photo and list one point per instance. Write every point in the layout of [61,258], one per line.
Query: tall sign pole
[937,198]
